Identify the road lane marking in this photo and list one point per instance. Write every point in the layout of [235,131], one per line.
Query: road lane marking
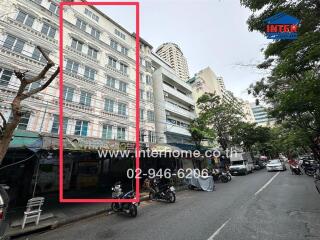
[267,183]
[218,230]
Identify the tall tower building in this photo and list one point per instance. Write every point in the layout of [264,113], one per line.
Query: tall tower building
[172,54]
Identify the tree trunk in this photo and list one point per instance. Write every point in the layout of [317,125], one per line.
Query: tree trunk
[5,139]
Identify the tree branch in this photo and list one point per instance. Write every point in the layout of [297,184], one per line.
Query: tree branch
[36,90]
[42,74]
[3,120]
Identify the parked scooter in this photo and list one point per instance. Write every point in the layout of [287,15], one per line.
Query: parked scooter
[219,175]
[161,190]
[310,168]
[128,208]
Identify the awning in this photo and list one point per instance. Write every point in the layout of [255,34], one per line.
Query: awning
[26,139]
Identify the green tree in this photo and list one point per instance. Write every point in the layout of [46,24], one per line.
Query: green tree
[250,136]
[220,115]
[200,131]
[293,86]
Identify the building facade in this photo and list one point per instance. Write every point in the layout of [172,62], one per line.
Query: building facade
[173,55]
[99,71]
[261,116]
[174,105]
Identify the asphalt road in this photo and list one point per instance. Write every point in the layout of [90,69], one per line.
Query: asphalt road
[262,205]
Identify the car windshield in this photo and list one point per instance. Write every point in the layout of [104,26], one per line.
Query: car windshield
[237,162]
[274,161]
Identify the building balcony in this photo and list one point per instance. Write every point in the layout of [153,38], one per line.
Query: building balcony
[81,54]
[75,106]
[177,130]
[12,22]
[178,95]
[180,111]
[78,77]
[112,69]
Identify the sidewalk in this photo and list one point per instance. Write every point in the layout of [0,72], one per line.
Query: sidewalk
[56,214]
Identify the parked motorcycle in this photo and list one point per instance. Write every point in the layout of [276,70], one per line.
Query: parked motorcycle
[219,175]
[295,169]
[160,190]
[128,208]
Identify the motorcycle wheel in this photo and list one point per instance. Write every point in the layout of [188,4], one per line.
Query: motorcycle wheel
[114,207]
[151,195]
[224,179]
[133,210]
[310,173]
[229,177]
[171,197]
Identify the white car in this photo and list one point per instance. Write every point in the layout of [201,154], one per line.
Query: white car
[276,165]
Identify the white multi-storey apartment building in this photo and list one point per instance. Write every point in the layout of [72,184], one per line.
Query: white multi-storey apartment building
[99,71]
[206,81]
[174,105]
[173,55]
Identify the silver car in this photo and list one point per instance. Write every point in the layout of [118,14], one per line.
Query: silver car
[276,165]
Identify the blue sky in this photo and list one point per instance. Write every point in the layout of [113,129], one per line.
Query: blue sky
[210,33]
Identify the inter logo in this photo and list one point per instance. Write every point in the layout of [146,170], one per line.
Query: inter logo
[282,26]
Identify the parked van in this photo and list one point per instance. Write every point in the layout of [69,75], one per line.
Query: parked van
[241,163]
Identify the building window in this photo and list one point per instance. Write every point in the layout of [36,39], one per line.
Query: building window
[111,81]
[76,44]
[91,14]
[121,133]
[5,77]
[48,30]
[120,34]
[123,68]
[14,43]
[81,128]
[148,64]
[122,109]
[107,131]
[85,98]
[81,24]
[112,62]
[37,55]
[108,105]
[23,124]
[114,44]
[141,94]
[150,116]
[141,77]
[151,136]
[124,50]
[149,96]
[32,86]
[92,52]
[25,18]
[123,86]
[68,93]
[95,33]
[54,8]
[38,1]
[141,114]
[148,80]
[89,73]
[55,125]
[72,66]
[142,135]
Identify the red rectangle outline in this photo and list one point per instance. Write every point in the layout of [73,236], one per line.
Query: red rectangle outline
[104,200]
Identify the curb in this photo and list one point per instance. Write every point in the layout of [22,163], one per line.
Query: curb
[57,223]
